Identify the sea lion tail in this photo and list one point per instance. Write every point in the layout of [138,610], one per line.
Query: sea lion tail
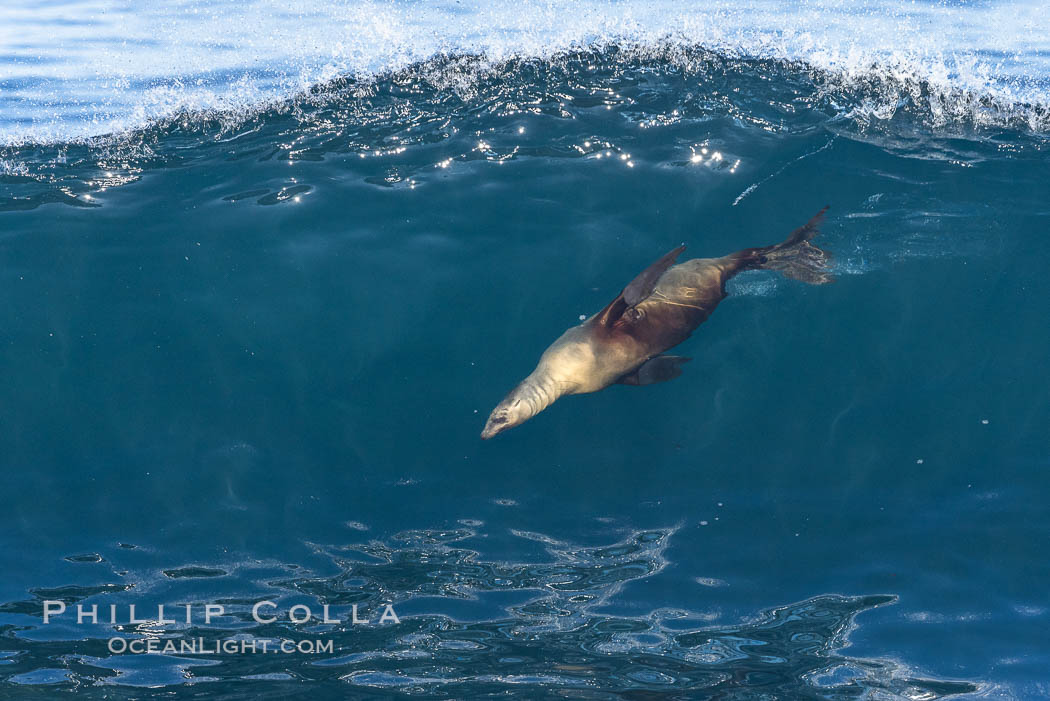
[796,257]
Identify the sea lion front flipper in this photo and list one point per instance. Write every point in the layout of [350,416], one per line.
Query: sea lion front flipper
[643,285]
[638,289]
[659,369]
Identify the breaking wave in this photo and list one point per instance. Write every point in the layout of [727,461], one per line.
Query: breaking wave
[432,113]
[126,66]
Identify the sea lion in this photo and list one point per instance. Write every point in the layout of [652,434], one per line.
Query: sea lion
[658,310]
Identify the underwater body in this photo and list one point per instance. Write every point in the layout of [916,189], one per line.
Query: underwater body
[266,269]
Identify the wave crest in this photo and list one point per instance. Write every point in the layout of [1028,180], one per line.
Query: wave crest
[136,65]
[443,100]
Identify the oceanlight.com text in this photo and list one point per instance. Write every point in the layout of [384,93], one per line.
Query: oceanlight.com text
[230,646]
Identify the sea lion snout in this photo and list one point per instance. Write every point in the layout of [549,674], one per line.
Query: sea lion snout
[497,423]
[511,412]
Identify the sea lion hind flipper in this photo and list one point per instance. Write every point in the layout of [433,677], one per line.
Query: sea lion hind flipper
[638,289]
[659,369]
[797,258]
[807,231]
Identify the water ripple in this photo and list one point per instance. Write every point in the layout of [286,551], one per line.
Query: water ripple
[553,641]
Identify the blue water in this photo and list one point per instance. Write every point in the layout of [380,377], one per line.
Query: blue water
[265,270]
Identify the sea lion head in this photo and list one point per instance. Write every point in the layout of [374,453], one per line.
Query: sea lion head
[566,367]
[516,408]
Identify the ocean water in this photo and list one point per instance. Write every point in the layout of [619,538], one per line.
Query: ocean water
[265,268]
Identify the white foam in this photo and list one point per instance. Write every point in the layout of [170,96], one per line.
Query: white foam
[122,63]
